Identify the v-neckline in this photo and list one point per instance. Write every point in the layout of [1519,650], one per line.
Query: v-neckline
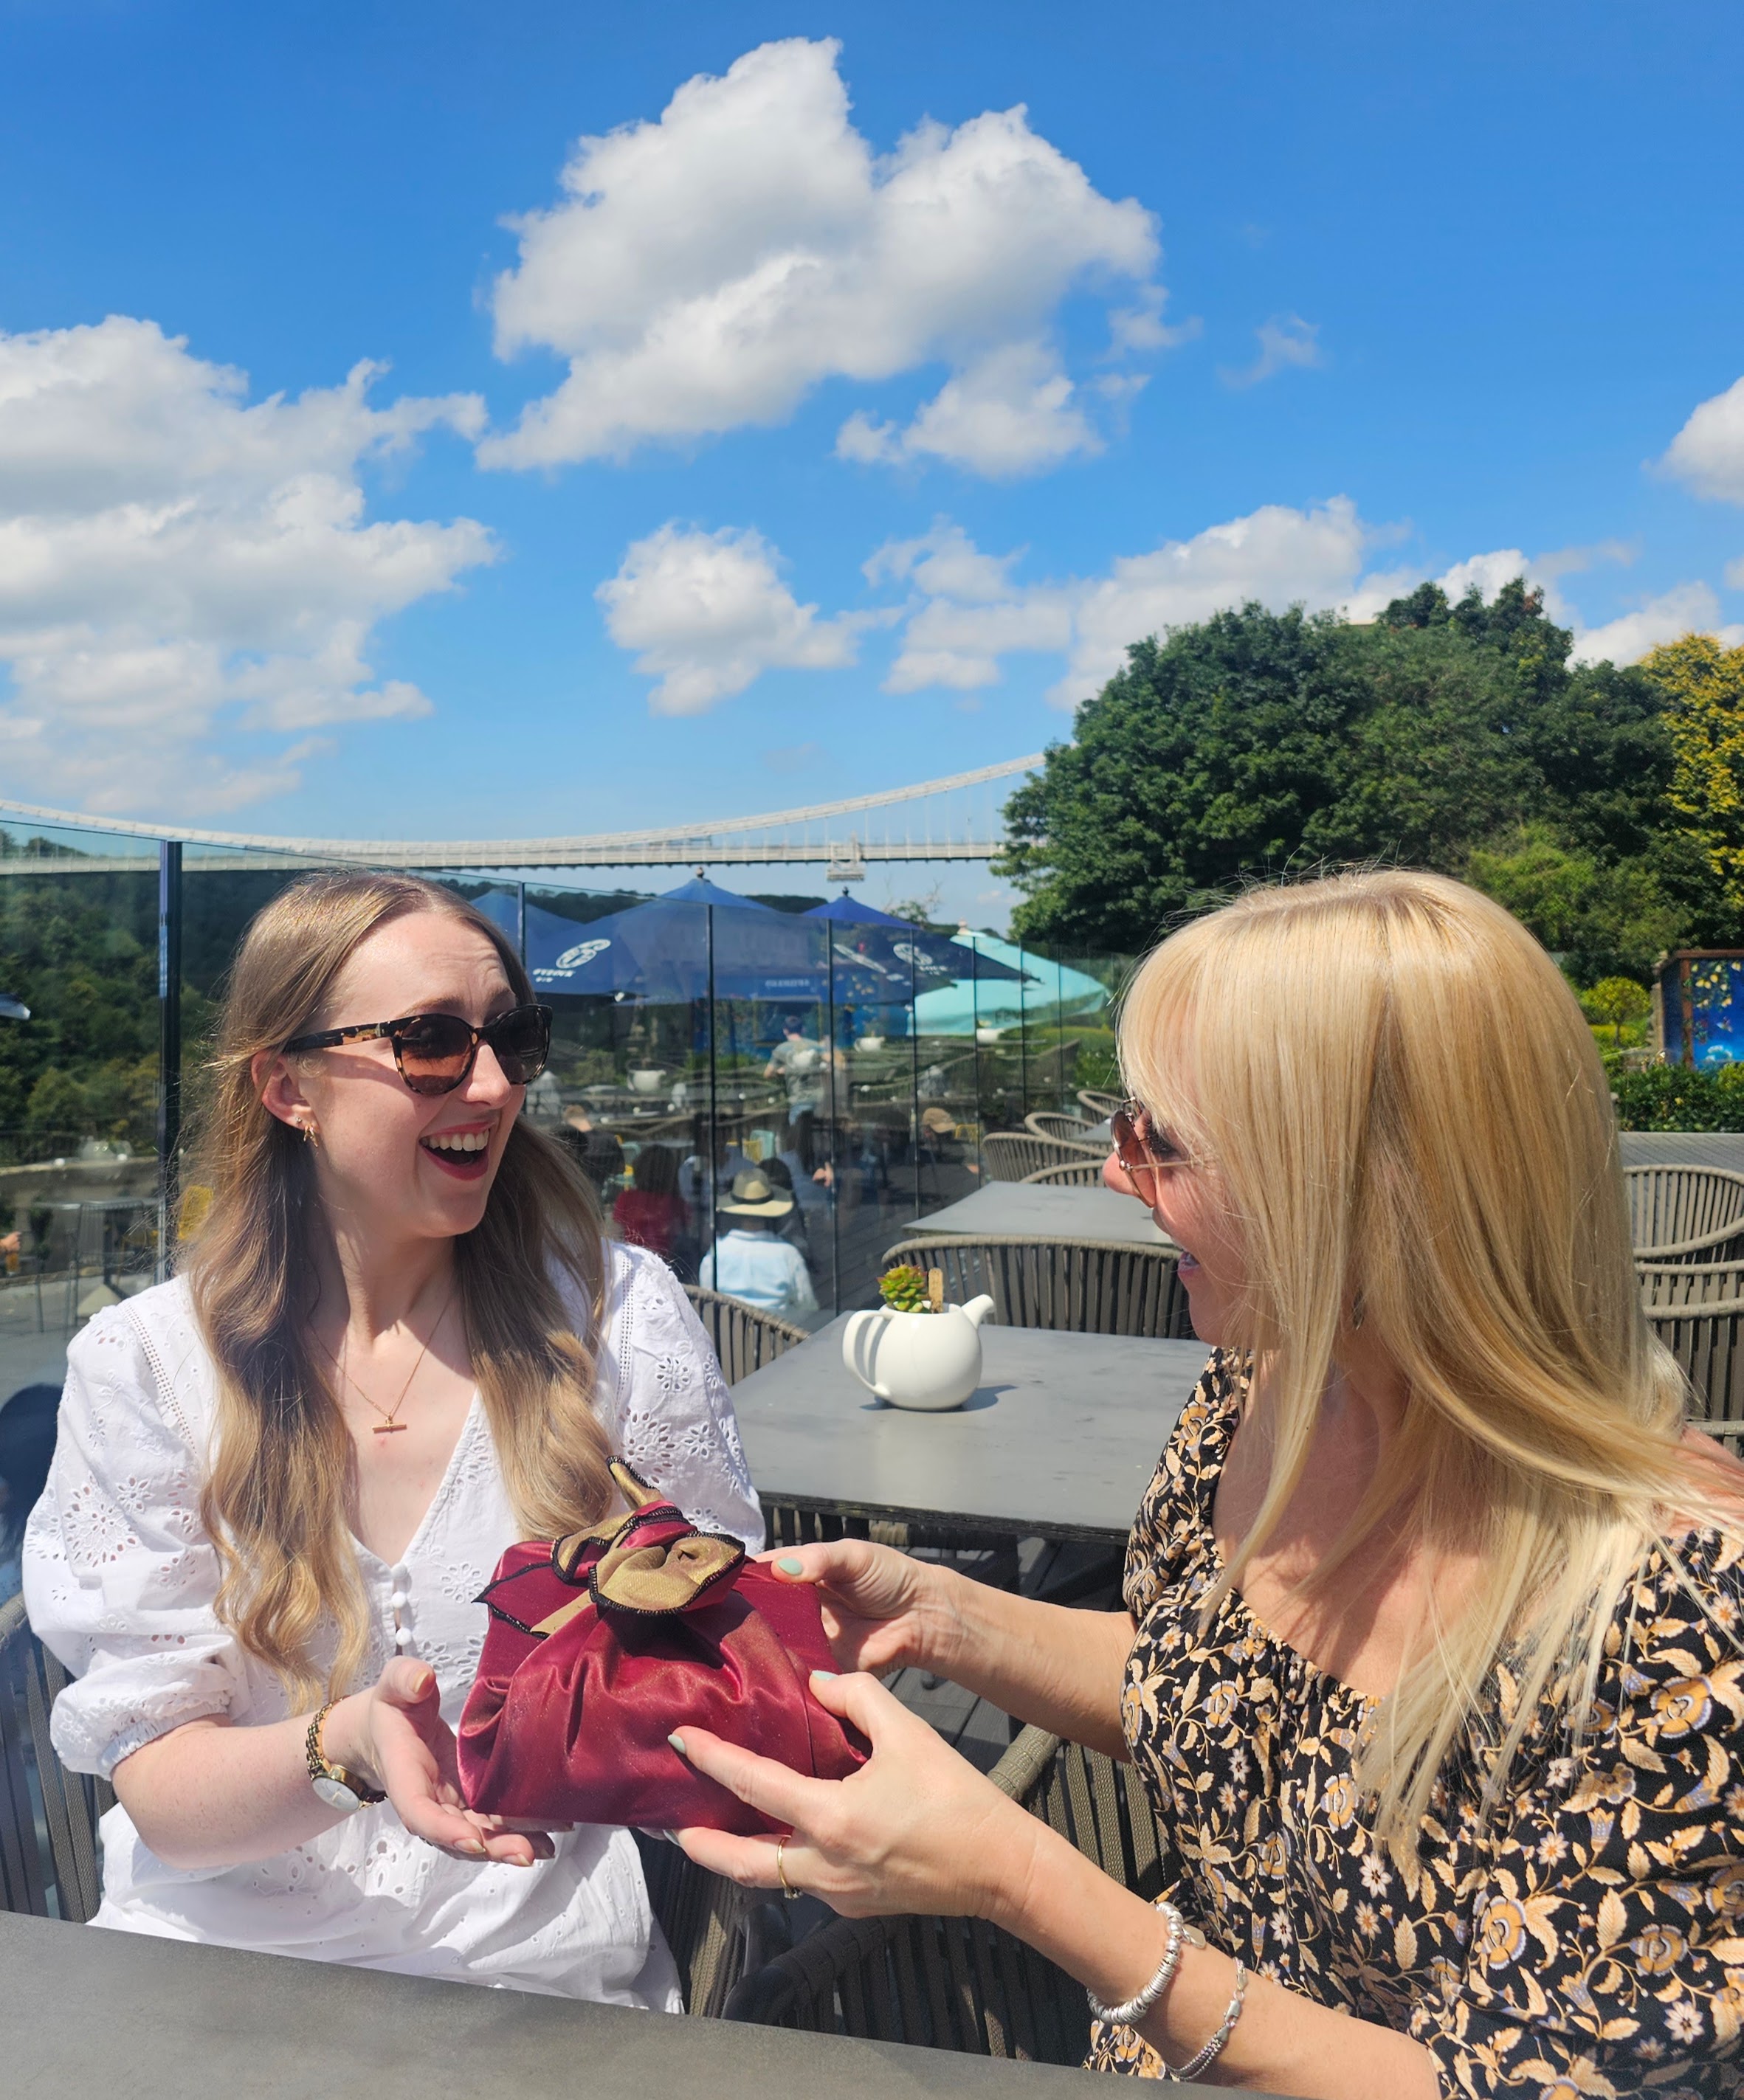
[444,1487]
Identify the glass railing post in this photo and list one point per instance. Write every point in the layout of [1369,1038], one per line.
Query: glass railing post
[169,1044]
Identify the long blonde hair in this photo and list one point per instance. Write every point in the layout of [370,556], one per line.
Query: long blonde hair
[1400,1097]
[275,1499]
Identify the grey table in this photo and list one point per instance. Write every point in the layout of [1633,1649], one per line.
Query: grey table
[1683,1148]
[1060,1440]
[86,2012]
[1037,1210]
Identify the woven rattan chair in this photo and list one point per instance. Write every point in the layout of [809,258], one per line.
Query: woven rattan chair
[1708,1339]
[745,1338]
[1062,1130]
[1689,1283]
[959,1983]
[1013,1155]
[1085,1173]
[1074,1286]
[1685,1213]
[48,1815]
[1101,1104]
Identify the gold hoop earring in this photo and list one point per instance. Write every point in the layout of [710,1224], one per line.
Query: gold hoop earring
[311,1134]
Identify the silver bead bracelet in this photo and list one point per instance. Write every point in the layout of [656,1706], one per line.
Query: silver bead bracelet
[1136,2007]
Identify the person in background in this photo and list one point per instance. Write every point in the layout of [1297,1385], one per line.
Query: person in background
[651,1213]
[748,1260]
[799,1061]
[27,1445]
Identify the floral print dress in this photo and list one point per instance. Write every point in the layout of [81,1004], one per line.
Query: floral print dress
[1587,1940]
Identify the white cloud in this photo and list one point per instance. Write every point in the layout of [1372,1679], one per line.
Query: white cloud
[176,566]
[1286,341]
[1012,411]
[706,270]
[1734,574]
[968,612]
[709,613]
[1707,454]
[1688,608]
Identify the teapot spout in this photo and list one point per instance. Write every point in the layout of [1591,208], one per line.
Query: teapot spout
[978,1308]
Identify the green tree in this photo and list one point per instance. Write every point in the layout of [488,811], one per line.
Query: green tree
[1454,736]
[1616,1003]
[1700,686]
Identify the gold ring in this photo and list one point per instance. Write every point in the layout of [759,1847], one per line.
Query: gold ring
[788,1889]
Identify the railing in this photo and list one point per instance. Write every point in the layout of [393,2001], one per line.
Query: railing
[118,944]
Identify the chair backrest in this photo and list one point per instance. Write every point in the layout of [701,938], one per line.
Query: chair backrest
[1100,1104]
[705,1920]
[959,1983]
[48,1815]
[745,1338]
[1062,1130]
[1074,1286]
[1070,1174]
[1689,1283]
[1676,1211]
[1010,1155]
[1708,1339]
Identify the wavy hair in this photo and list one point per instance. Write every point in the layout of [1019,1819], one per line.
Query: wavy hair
[279,1486]
[1398,1094]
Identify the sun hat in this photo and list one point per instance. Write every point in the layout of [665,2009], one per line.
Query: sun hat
[755,1196]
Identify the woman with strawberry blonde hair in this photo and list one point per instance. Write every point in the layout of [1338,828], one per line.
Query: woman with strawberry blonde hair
[1430,1659]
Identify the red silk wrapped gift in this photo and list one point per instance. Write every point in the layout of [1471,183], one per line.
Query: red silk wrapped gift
[601,1645]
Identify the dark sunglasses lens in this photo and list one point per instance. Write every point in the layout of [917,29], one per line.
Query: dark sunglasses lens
[522,1041]
[434,1051]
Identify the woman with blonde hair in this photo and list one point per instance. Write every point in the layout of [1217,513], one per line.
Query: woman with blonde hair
[1430,1660]
[399,1344]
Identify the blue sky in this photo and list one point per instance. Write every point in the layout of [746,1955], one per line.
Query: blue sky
[879,450]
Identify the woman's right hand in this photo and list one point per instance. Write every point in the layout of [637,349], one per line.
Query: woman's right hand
[882,1610]
[403,1742]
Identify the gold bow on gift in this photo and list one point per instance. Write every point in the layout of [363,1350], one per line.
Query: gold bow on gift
[653,1579]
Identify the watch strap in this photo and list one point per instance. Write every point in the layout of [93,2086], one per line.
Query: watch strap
[320,1767]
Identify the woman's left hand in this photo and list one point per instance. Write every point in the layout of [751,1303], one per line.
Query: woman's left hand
[917,1829]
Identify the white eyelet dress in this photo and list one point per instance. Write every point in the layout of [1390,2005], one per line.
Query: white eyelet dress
[119,1578]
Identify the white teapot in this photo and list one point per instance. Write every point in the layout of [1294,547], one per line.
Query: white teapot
[928,1361]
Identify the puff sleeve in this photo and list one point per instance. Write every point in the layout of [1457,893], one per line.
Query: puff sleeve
[665,1404]
[1606,1949]
[119,1575]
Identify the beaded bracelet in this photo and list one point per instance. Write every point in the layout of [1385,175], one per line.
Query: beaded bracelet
[1214,2048]
[1136,2007]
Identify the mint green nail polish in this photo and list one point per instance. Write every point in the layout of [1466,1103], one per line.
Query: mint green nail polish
[824,1673]
[789,1566]
[677,1744]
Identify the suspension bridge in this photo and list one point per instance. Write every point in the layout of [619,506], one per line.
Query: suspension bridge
[956,818]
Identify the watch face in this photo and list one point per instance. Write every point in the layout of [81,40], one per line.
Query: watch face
[336,1794]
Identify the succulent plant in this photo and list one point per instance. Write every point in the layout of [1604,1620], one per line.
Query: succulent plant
[904,1289]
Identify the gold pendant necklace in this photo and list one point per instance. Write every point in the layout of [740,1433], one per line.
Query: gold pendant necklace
[387,1426]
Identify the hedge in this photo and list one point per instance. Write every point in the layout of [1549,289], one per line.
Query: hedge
[1674,1097]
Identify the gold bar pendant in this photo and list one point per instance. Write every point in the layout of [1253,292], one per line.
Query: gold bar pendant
[386,1428]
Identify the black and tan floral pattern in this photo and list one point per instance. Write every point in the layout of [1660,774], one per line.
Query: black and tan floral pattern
[1586,1940]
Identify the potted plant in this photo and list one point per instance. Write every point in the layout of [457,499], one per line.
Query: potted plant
[914,1351]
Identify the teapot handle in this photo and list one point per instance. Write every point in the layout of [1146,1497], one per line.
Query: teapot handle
[857,1338]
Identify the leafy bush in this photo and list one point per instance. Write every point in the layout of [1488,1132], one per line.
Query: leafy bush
[1098,1064]
[1674,1097]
